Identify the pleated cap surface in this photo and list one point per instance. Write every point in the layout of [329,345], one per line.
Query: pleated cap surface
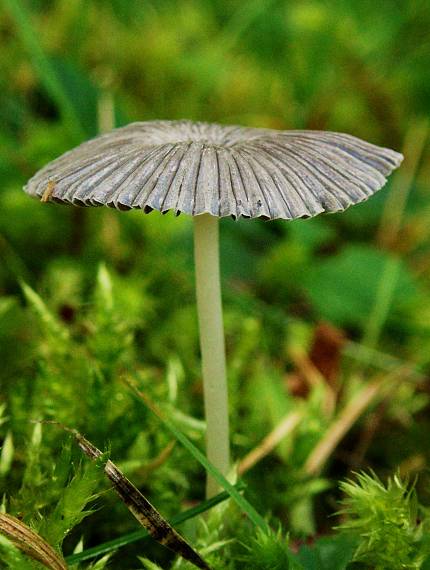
[198,168]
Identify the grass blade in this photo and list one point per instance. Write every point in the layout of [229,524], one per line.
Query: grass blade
[242,503]
[139,506]
[140,534]
[21,17]
[384,297]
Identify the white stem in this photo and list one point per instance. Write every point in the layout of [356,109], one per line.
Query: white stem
[209,309]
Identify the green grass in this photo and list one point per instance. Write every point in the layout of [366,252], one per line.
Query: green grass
[89,297]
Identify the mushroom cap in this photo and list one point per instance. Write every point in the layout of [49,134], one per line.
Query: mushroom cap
[198,168]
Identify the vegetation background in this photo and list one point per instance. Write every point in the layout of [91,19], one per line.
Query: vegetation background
[327,320]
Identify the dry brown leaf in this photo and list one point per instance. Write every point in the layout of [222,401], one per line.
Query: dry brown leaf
[29,542]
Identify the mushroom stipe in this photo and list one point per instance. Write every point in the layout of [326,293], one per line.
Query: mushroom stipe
[211,171]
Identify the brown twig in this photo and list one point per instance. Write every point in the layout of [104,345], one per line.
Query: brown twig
[284,428]
[349,415]
[341,426]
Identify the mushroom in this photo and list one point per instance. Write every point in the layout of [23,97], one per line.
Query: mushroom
[210,171]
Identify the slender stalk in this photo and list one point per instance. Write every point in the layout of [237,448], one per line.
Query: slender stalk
[209,308]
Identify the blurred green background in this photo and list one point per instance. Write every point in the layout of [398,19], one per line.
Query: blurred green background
[72,68]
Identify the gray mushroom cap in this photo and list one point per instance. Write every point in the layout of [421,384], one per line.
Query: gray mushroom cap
[198,168]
